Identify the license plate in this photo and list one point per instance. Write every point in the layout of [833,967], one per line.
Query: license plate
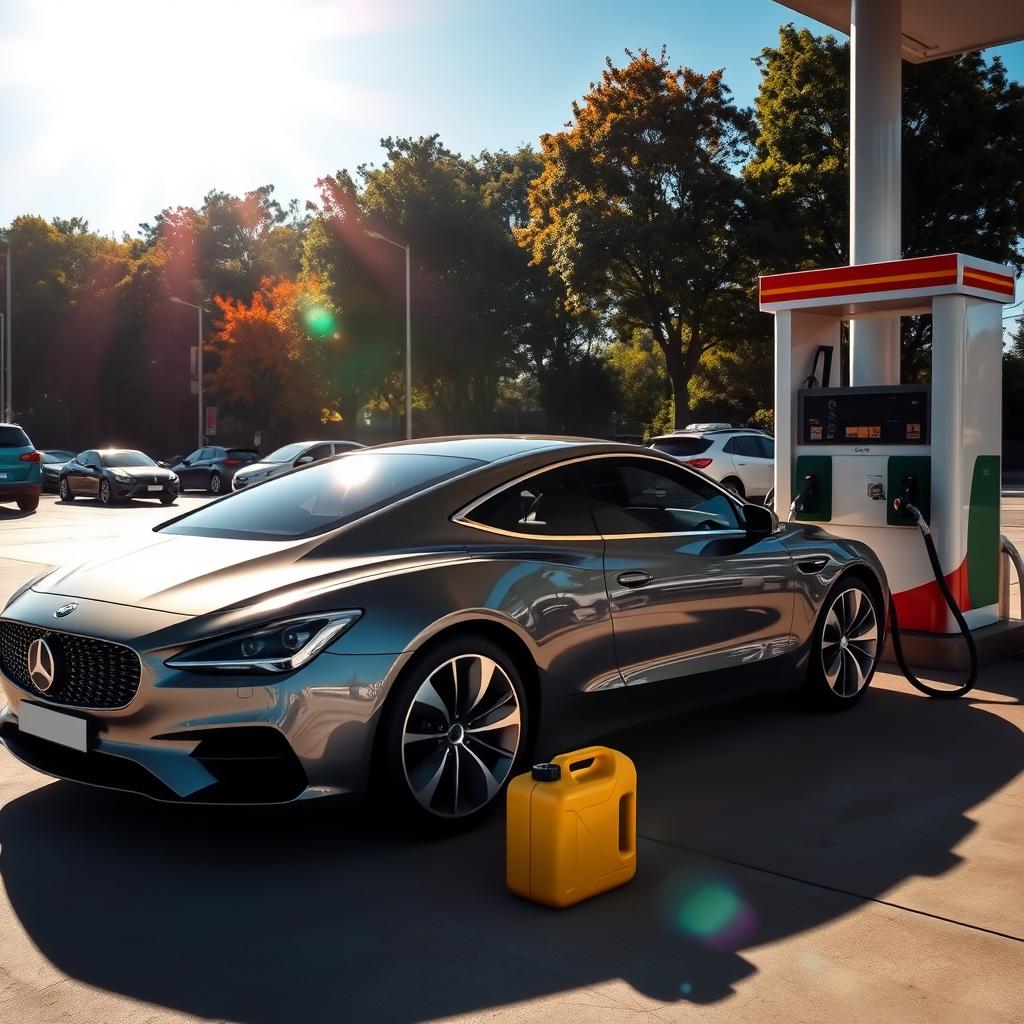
[66,730]
[154,487]
[3,476]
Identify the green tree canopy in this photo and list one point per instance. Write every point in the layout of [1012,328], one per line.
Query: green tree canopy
[639,210]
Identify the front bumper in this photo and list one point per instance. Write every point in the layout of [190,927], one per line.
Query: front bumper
[189,738]
[124,492]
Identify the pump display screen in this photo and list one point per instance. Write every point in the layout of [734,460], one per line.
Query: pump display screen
[857,416]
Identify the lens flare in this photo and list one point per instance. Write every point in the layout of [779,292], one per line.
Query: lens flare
[320,321]
[709,907]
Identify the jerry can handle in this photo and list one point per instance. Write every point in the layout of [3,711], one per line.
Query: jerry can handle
[580,761]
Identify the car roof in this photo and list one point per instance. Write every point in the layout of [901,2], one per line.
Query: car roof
[495,447]
[706,433]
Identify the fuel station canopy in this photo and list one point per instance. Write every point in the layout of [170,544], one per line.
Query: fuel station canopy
[932,29]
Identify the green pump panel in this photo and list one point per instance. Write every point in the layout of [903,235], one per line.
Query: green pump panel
[900,467]
[818,506]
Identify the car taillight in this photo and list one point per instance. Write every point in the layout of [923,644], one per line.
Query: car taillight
[232,462]
[29,457]
[699,463]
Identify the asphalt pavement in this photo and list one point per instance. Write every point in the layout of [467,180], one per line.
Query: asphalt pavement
[793,866]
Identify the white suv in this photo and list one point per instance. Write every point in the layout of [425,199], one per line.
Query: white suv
[738,458]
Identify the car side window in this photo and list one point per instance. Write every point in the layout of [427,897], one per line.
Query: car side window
[193,456]
[320,451]
[767,445]
[647,496]
[745,445]
[82,458]
[550,504]
[93,460]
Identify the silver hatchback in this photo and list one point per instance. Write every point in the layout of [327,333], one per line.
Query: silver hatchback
[289,457]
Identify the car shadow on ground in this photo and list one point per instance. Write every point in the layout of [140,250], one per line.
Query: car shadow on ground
[316,912]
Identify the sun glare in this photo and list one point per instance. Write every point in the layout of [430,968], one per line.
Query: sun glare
[193,95]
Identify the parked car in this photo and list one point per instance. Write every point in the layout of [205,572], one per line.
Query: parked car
[116,474]
[441,610]
[301,453]
[50,462]
[212,468]
[739,458]
[20,477]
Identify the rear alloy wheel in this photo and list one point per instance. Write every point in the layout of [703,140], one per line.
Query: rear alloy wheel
[66,494]
[106,495]
[846,645]
[457,731]
[734,484]
[215,483]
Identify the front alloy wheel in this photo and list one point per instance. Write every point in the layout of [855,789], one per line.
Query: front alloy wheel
[461,730]
[847,644]
[66,494]
[106,497]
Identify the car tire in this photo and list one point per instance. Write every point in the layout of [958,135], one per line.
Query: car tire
[168,499]
[106,495]
[845,646]
[66,494]
[456,731]
[216,484]
[735,484]
[29,504]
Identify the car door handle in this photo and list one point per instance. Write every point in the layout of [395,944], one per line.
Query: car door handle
[634,578]
[812,565]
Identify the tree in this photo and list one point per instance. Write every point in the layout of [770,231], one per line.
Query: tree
[640,214]
[271,356]
[475,314]
[644,388]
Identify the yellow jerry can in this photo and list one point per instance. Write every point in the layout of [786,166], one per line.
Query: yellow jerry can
[571,827]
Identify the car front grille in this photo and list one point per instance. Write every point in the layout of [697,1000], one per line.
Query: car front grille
[87,673]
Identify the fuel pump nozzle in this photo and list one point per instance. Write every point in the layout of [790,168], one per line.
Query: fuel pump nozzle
[904,505]
[806,490]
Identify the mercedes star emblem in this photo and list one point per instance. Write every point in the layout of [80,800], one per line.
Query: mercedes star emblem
[40,665]
[65,609]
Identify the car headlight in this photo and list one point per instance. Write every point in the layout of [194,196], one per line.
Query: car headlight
[122,479]
[174,478]
[278,647]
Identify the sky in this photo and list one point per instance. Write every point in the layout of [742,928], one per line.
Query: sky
[113,110]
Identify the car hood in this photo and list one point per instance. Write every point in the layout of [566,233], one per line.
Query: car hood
[199,575]
[141,472]
[260,467]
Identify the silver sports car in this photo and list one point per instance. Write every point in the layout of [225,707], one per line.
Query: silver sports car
[425,617]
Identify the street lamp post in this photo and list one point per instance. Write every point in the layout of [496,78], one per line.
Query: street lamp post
[6,412]
[408,328]
[199,366]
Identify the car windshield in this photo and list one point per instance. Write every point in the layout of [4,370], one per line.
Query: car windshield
[118,460]
[287,453]
[320,498]
[14,437]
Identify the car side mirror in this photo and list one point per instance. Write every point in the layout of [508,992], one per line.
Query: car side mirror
[303,460]
[759,520]
[186,462]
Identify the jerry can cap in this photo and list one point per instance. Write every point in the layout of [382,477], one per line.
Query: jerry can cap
[546,772]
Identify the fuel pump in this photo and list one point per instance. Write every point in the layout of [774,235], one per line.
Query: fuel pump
[878,460]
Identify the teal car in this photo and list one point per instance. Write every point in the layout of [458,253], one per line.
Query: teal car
[20,471]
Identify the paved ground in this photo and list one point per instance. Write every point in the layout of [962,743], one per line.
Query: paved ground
[794,867]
